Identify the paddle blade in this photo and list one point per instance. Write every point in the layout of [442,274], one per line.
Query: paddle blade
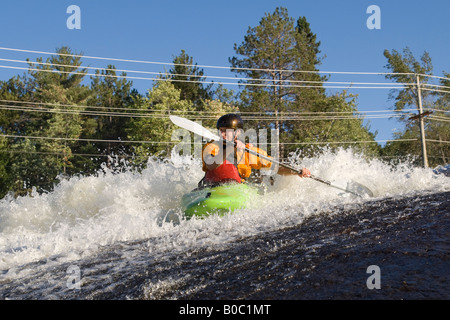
[359,188]
[351,186]
[194,127]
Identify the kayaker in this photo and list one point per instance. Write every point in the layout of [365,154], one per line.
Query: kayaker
[228,164]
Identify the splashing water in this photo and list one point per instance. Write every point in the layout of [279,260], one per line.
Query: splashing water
[84,214]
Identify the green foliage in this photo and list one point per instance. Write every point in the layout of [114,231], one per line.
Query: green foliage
[407,68]
[52,100]
[337,122]
[274,55]
[188,78]
[73,117]
[5,183]
[156,128]
[111,94]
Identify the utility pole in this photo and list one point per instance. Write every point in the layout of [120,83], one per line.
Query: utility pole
[421,125]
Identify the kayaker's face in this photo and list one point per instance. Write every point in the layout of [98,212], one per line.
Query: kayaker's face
[229,134]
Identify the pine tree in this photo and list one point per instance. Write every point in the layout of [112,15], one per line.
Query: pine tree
[407,67]
[12,122]
[5,183]
[440,130]
[269,55]
[188,78]
[110,93]
[209,102]
[280,60]
[53,86]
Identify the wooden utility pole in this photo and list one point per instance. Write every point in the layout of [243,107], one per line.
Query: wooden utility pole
[421,125]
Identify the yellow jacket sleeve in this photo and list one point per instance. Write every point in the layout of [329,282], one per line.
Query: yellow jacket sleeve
[209,149]
[248,161]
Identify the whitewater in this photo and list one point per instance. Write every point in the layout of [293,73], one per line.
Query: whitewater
[87,221]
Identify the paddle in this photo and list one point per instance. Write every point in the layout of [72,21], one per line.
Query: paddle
[358,189]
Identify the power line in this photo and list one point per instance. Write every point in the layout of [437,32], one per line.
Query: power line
[140,156]
[437,110]
[178,142]
[350,86]
[440,141]
[435,85]
[219,67]
[72,154]
[165,114]
[286,113]
[436,90]
[341,142]
[204,76]
[432,76]
[201,66]
[82,139]
[437,118]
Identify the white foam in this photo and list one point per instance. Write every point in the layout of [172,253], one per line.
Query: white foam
[83,214]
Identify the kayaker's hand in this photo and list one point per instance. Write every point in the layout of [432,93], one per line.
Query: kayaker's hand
[305,173]
[240,145]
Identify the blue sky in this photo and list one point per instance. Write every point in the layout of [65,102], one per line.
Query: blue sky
[208,30]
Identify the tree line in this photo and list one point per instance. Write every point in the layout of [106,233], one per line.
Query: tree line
[87,124]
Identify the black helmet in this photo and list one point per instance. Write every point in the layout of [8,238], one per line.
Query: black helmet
[231,120]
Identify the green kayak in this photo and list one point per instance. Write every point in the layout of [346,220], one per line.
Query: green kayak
[217,200]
